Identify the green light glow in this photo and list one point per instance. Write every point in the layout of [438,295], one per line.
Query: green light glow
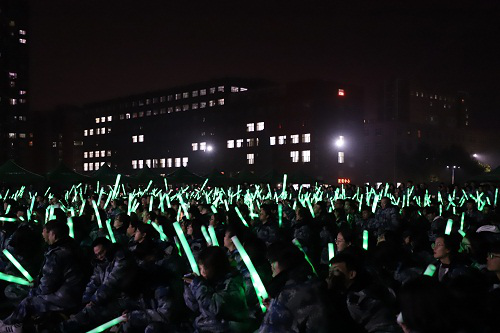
[110,230]
[205,234]
[240,216]
[213,236]
[107,325]
[97,215]
[187,249]
[365,239]
[297,243]
[430,270]
[14,279]
[449,225]
[17,265]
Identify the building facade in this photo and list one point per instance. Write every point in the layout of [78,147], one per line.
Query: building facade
[15,136]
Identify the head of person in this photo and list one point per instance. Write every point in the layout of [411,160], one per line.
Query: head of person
[339,203]
[121,220]
[101,247]
[431,213]
[215,219]
[470,205]
[54,230]
[193,229]
[265,213]
[284,256]
[345,269]
[446,247]
[493,259]
[366,213]
[144,232]
[385,202]
[345,238]
[132,227]
[319,208]
[214,264]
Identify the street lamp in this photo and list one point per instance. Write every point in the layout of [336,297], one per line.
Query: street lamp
[210,148]
[340,141]
[452,172]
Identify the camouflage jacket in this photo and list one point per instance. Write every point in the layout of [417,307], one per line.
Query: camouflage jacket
[217,305]
[387,218]
[267,232]
[153,309]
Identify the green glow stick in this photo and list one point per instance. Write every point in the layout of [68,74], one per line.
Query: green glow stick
[297,243]
[203,186]
[185,246]
[46,192]
[19,267]
[260,290]
[107,325]
[117,185]
[97,215]
[70,226]
[365,240]
[240,216]
[205,234]
[110,231]
[280,215]
[462,220]
[226,205]
[81,208]
[214,209]
[7,219]
[159,228]
[7,210]
[331,251]
[14,279]
[374,205]
[449,225]
[430,270]
[496,196]
[310,207]
[149,185]
[150,203]
[213,236]
[283,193]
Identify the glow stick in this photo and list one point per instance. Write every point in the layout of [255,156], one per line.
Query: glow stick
[187,249]
[158,228]
[213,236]
[19,267]
[205,234]
[430,270]
[260,290]
[310,207]
[297,243]
[97,215]
[365,239]
[283,193]
[107,325]
[110,231]
[46,192]
[331,251]
[240,216]
[117,184]
[70,226]
[7,219]
[150,203]
[449,225]
[280,215]
[496,196]
[462,220]
[214,209]
[7,210]
[203,186]
[14,279]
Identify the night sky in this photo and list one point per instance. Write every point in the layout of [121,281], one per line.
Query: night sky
[87,51]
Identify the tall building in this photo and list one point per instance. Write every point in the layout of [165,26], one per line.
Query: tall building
[15,138]
[228,125]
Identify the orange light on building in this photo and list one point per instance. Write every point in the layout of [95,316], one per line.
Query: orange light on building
[344,180]
[341,92]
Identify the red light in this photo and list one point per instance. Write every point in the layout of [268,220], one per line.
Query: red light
[341,92]
[344,180]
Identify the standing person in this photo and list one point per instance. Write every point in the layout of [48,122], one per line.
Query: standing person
[60,283]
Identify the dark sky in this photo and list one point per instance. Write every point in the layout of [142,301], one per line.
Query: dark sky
[86,51]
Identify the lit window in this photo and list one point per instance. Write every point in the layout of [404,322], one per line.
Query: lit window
[141,164]
[85,154]
[185,95]
[108,153]
[234,89]
[54,144]
[141,138]
[12,135]
[91,166]
[185,161]
[243,89]
[13,101]
[250,127]
[282,139]
[103,130]
[85,132]
[203,105]
[194,93]
[341,157]
[103,119]
[177,162]
[97,153]
[194,106]
[22,40]
[22,32]
[148,163]
[162,162]
[98,131]
[134,164]
[250,159]
[85,167]
[178,108]
[141,114]
[212,90]
[127,116]
[203,92]
[203,146]
[177,96]
[211,103]
[220,101]
[97,120]
[239,143]
[230,143]
[272,140]
[91,131]
[195,146]
[103,153]
[109,130]
[306,138]
[91,154]
[220,88]
[169,110]
[169,162]
[306,156]
[185,107]
[110,118]
[295,138]
[250,142]
[260,126]
[134,138]
[341,92]
[96,166]
[295,156]
[155,163]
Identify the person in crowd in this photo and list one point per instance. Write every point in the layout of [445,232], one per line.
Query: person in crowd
[267,228]
[449,265]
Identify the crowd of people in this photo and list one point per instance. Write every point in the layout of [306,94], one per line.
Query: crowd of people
[415,261]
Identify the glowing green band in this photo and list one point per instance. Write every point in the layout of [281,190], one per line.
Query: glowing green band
[14,279]
[240,216]
[213,236]
[107,325]
[205,234]
[70,226]
[110,230]
[430,270]
[365,239]
[280,215]
[185,246]
[297,243]
[97,215]
[19,267]
[331,251]
[449,225]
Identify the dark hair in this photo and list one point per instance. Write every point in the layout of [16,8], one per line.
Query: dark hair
[268,210]
[286,254]
[451,242]
[426,306]
[215,262]
[124,218]
[351,262]
[348,234]
[58,227]
[106,243]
